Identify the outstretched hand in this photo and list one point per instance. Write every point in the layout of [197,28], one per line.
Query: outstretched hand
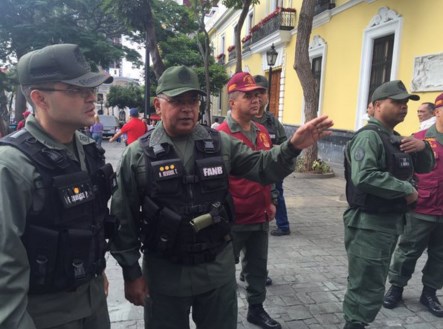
[313,130]
[411,144]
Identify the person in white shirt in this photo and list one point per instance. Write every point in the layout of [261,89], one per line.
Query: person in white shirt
[215,124]
[425,115]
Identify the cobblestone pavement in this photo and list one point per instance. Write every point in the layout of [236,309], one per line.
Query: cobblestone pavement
[308,267]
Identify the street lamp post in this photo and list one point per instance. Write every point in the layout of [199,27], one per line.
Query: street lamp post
[147,103]
[271,56]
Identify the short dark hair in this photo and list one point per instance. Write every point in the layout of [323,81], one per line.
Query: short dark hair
[430,106]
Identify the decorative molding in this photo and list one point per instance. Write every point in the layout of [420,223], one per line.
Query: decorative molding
[317,42]
[326,16]
[322,18]
[428,73]
[318,48]
[384,16]
[384,23]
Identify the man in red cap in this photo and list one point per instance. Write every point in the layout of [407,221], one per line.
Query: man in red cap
[424,228]
[253,206]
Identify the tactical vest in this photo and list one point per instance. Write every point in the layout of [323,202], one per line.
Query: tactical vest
[398,163]
[271,127]
[66,230]
[186,216]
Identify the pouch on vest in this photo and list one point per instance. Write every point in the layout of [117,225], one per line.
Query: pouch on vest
[111,225]
[42,245]
[106,179]
[212,174]
[404,166]
[80,262]
[168,226]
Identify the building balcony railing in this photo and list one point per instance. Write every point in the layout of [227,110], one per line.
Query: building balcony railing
[279,19]
[246,41]
[232,54]
[323,5]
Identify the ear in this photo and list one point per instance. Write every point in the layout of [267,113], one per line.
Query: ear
[157,106]
[39,99]
[231,103]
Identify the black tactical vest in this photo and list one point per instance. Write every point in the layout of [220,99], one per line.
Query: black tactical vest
[271,127]
[186,216]
[65,233]
[398,163]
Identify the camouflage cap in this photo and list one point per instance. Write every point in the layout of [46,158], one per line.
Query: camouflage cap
[394,90]
[177,80]
[59,63]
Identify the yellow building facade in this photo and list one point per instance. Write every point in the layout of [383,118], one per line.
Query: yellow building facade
[355,45]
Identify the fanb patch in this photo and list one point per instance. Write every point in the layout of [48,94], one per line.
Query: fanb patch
[359,154]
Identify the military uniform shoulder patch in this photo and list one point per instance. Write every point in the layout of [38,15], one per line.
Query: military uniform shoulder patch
[359,154]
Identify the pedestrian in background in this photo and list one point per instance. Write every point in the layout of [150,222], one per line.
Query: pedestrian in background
[173,204]
[3,127]
[423,229]
[379,169]
[96,130]
[133,129]
[53,199]
[215,124]
[252,199]
[278,136]
[21,123]
[426,115]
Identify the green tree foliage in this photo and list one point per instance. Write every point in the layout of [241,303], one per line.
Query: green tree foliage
[31,24]
[218,77]
[28,24]
[137,16]
[130,96]
[172,19]
[180,50]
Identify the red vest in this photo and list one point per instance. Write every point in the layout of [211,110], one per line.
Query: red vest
[430,185]
[252,200]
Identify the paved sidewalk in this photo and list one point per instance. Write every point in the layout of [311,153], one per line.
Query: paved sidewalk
[308,267]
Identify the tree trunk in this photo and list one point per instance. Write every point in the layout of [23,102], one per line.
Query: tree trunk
[157,62]
[205,51]
[238,47]
[302,66]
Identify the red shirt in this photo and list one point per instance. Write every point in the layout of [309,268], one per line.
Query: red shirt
[252,200]
[134,129]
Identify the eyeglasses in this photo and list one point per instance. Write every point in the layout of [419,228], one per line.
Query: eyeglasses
[82,92]
[188,100]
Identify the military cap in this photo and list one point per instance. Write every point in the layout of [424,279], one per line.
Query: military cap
[395,90]
[59,63]
[261,81]
[177,80]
